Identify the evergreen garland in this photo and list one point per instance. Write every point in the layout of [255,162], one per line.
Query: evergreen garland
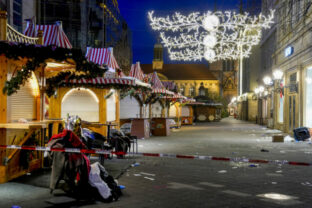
[37,55]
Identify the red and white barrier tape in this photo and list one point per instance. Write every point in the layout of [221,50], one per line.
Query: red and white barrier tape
[164,155]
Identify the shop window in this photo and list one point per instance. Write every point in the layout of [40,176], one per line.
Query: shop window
[281,105]
[308,100]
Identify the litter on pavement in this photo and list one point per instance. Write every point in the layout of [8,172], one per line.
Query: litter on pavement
[152,179]
[149,174]
[222,171]
[135,164]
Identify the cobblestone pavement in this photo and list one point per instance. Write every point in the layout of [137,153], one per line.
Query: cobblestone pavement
[170,182]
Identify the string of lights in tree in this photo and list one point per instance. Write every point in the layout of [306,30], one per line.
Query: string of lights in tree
[212,35]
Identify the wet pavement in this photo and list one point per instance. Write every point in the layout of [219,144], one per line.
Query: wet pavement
[171,182]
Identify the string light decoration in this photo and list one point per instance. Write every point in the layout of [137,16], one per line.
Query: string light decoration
[212,35]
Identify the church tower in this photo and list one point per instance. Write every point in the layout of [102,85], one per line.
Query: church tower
[158,57]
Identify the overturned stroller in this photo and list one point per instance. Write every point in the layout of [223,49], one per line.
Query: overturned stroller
[73,172]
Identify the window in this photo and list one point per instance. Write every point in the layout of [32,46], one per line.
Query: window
[281,105]
[192,91]
[182,90]
[17,14]
[308,100]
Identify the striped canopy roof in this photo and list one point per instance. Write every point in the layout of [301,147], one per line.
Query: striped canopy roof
[102,56]
[157,86]
[102,81]
[136,71]
[52,34]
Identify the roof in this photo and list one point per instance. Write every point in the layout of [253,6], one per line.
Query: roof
[52,34]
[102,56]
[182,71]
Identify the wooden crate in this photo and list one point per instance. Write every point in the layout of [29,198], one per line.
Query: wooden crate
[278,138]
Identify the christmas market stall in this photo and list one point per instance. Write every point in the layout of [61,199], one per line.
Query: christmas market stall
[95,100]
[28,66]
[160,125]
[134,108]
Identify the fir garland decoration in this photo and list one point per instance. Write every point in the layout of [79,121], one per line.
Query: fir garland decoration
[37,55]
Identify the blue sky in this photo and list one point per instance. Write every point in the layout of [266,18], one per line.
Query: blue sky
[143,38]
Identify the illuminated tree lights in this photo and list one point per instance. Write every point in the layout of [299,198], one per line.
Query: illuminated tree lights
[213,35]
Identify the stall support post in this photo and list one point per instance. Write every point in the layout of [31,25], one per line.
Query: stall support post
[118,109]
[3,117]
[3,25]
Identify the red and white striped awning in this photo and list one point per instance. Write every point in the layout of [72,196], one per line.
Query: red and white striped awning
[157,86]
[102,80]
[155,81]
[136,71]
[52,34]
[106,81]
[102,56]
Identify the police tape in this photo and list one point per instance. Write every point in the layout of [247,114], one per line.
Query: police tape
[163,155]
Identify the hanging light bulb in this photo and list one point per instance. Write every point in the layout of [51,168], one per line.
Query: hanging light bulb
[209,54]
[210,41]
[211,22]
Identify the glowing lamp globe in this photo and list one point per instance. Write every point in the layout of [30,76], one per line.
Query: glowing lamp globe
[277,74]
[261,89]
[209,54]
[211,22]
[210,41]
[257,90]
[267,80]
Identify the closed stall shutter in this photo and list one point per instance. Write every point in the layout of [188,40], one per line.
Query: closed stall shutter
[81,103]
[111,107]
[172,111]
[185,111]
[156,109]
[129,108]
[22,104]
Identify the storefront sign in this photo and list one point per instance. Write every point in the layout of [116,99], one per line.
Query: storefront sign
[289,51]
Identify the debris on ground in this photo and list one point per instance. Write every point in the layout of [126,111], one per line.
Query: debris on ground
[149,174]
[135,164]
[274,183]
[264,150]
[222,171]
[289,139]
[253,165]
[152,179]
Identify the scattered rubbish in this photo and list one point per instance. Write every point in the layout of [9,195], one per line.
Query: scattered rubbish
[149,174]
[122,187]
[264,150]
[288,139]
[135,164]
[274,174]
[306,184]
[140,145]
[253,165]
[274,183]
[282,151]
[222,171]
[279,171]
[235,167]
[258,140]
[234,153]
[28,174]
[137,174]
[152,179]
[15,206]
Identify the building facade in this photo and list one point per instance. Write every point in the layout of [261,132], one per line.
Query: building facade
[90,23]
[18,11]
[213,80]
[293,56]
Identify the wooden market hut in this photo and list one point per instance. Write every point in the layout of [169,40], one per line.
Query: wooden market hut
[25,64]
[96,100]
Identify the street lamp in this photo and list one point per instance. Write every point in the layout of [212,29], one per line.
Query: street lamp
[267,81]
[278,75]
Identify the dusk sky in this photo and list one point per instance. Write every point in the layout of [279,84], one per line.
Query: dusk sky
[143,38]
